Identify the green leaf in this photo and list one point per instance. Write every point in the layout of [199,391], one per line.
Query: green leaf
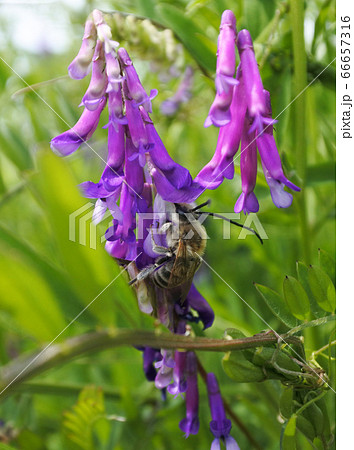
[321,403]
[327,264]
[28,440]
[321,173]
[240,369]
[288,441]
[296,298]
[286,404]
[6,447]
[80,420]
[28,297]
[189,33]
[314,415]
[234,333]
[322,289]
[55,277]
[318,443]
[306,427]
[303,276]
[146,8]
[257,15]
[14,146]
[277,305]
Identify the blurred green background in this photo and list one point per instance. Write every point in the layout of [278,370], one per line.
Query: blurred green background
[46,279]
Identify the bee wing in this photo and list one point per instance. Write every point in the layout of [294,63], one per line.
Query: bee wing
[184,266]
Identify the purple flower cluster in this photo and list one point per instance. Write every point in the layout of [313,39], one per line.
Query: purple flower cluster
[138,164]
[243,112]
[140,178]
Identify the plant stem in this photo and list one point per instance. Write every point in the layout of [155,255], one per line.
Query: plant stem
[299,84]
[26,367]
[61,389]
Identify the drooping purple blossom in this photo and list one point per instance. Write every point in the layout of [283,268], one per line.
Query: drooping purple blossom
[116,108]
[190,424]
[220,426]
[104,32]
[150,356]
[68,142]
[179,385]
[135,87]
[222,165]
[165,372]
[98,84]
[269,154]
[196,301]
[219,113]
[139,169]
[113,72]
[247,201]
[256,102]
[251,118]
[80,66]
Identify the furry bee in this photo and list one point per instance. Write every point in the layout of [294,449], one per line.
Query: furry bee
[186,241]
[181,258]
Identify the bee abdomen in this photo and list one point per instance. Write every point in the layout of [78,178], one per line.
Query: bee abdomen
[162,276]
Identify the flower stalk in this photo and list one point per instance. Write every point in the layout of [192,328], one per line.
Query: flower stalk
[299,84]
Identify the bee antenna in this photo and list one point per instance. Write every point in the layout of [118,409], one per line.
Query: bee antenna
[231,221]
[201,206]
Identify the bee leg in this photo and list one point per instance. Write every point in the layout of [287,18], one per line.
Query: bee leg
[144,273]
[159,249]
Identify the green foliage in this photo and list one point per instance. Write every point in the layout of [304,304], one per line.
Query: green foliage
[47,279]
[277,305]
[87,425]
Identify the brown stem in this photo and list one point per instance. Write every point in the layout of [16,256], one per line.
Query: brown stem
[26,367]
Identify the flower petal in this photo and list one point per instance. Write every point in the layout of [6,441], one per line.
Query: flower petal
[69,141]
[199,304]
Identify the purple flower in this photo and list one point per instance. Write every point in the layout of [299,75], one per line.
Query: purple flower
[270,157]
[165,366]
[179,384]
[170,106]
[150,356]
[220,426]
[219,113]
[113,72]
[221,165]
[135,87]
[134,174]
[108,189]
[80,66]
[98,84]
[115,109]
[256,102]
[196,301]
[190,424]
[173,182]
[122,232]
[281,198]
[104,33]
[69,141]
[247,201]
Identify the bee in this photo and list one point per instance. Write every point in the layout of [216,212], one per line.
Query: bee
[185,240]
